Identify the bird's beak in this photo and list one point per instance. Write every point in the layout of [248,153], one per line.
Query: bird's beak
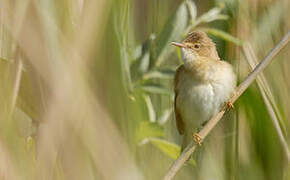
[180,45]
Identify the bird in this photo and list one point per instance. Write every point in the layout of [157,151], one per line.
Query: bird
[202,85]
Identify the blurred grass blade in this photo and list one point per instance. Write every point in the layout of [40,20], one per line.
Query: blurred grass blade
[191,9]
[25,124]
[126,69]
[267,98]
[140,66]
[173,29]
[148,129]
[268,25]
[161,74]
[144,62]
[179,56]
[156,89]
[137,52]
[3,59]
[170,149]
[165,116]
[150,108]
[30,145]
[121,27]
[141,54]
[211,15]
[18,65]
[223,35]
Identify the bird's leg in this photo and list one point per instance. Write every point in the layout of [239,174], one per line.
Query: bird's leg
[229,104]
[197,139]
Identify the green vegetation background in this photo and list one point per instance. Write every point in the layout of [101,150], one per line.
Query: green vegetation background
[86,89]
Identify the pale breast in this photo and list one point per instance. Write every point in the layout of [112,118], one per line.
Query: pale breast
[198,100]
[197,103]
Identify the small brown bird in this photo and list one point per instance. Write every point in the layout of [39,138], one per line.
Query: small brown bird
[201,85]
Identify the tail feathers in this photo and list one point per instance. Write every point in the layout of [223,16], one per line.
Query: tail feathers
[186,140]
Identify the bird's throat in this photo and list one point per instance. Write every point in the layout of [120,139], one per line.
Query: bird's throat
[188,55]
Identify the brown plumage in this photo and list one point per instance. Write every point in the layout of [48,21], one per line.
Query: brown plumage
[179,122]
[201,43]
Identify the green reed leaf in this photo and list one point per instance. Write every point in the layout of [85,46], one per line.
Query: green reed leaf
[192,9]
[223,35]
[170,149]
[212,15]
[148,129]
[150,108]
[155,89]
[161,74]
[173,29]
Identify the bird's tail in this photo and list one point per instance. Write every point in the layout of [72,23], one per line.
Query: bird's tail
[186,140]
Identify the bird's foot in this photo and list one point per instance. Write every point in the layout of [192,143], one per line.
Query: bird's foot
[197,139]
[229,105]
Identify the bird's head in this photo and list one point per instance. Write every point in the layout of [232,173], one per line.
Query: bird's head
[197,44]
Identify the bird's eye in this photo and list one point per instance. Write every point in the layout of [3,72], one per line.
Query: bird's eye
[196,46]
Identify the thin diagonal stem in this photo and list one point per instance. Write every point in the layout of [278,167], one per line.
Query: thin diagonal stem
[215,119]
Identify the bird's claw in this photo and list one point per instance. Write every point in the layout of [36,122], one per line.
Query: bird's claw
[229,105]
[197,139]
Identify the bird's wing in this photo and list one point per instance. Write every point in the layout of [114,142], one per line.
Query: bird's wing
[178,118]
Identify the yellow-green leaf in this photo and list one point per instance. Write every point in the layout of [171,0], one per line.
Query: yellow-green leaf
[170,149]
